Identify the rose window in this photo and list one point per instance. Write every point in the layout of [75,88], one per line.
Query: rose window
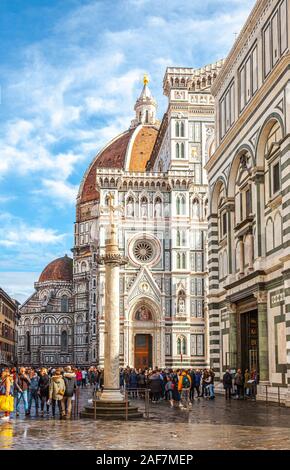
[143,251]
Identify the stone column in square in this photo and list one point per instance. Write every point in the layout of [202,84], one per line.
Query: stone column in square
[112,259]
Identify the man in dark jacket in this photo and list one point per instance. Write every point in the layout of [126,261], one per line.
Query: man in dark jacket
[239,383]
[192,386]
[70,386]
[22,383]
[227,382]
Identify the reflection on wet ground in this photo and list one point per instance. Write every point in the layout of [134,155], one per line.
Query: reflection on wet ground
[208,425]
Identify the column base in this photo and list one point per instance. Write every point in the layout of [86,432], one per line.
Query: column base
[111,395]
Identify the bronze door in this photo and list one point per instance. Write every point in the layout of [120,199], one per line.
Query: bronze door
[143,351]
[249,341]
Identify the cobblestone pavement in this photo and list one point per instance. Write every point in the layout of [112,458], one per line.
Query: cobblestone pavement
[208,425]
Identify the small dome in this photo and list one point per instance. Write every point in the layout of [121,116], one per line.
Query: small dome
[61,269]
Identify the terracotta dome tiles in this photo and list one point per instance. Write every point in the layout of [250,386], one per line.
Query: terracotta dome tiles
[142,148]
[61,269]
[114,155]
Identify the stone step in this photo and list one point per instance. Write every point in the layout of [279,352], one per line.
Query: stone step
[116,404]
[105,409]
[111,415]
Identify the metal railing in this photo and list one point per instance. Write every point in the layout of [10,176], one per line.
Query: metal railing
[267,401]
[142,393]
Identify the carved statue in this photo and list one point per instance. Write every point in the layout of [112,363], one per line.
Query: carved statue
[181,305]
[130,208]
[144,208]
[157,211]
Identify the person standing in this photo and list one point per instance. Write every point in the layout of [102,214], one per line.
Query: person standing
[79,377]
[84,378]
[6,395]
[227,383]
[192,386]
[33,391]
[22,383]
[197,382]
[204,383]
[169,386]
[211,384]
[247,385]
[43,390]
[184,384]
[56,391]
[239,384]
[70,386]
[155,386]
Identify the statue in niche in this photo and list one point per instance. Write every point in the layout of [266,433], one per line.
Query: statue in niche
[181,303]
[144,208]
[157,211]
[130,208]
[143,314]
[195,209]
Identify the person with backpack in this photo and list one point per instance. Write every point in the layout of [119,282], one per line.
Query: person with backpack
[227,383]
[184,384]
[56,391]
[70,386]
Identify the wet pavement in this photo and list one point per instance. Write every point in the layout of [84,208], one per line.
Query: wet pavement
[207,425]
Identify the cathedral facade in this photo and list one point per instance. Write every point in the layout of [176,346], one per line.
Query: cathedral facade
[156,174]
[155,171]
[249,234]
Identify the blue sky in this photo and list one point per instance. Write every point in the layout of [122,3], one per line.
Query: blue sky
[70,74]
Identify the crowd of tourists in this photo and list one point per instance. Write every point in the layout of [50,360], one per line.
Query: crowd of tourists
[51,389]
[45,389]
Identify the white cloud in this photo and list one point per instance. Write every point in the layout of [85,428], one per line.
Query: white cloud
[22,234]
[61,191]
[19,285]
[16,233]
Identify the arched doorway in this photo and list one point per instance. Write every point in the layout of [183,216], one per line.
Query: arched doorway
[143,341]
[144,332]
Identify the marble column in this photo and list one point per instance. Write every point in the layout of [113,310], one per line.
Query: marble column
[112,259]
[233,336]
[241,256]
[251,251]
[263,337]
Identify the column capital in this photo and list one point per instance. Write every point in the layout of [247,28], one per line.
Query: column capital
[261,297]
[258,174]
[231,307]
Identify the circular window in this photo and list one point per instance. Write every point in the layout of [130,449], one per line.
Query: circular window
[143,251]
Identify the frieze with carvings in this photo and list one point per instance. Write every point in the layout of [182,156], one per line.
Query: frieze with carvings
[203,100]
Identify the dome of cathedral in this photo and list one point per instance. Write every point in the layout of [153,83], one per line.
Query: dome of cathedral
[61,269]
[129,151]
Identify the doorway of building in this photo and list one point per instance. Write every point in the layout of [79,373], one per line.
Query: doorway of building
[249,341]
[143,351]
